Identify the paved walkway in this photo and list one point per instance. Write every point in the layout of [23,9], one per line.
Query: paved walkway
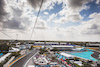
[95,55]
[11,59]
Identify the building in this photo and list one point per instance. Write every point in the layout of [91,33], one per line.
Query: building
[94,45]
[52,43]
[28,46]
[39,43]
[63,47]
[22,47]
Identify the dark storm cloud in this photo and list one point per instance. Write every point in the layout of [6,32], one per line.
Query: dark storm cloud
[16,22]
[13,24]
[36,3]
[2,10]
[94,26]
[94,29]
[77,4]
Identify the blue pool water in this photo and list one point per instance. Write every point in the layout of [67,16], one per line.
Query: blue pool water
[1,54]
[89,49]
[86,55]
[99,55]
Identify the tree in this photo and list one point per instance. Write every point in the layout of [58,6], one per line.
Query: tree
[4,47]
[54,49]
[42,51]
[86,64]
[16,54]
[53,58]
[13,45]
[31,48]
[68,61]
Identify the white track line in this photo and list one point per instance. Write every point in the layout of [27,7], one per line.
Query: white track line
[30,59]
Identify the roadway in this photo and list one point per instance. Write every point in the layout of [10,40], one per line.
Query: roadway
[22,61]
[30,61]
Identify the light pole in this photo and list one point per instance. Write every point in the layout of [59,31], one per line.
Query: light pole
[16,36]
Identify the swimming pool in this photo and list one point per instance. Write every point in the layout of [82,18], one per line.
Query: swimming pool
[85,55]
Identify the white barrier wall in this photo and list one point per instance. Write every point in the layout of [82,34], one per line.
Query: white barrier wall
[4,57]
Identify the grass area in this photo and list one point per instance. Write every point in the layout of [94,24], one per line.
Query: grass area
[77,65]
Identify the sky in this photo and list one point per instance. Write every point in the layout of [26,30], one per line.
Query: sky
[61,20]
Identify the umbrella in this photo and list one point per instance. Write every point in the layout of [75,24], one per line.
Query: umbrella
[65,62]
[69,65]
[61,59]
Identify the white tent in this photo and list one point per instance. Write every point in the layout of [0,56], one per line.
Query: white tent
[67,55]
[78,62]
[14,50]
[31,66]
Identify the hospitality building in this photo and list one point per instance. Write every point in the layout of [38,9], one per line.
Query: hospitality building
[63,47]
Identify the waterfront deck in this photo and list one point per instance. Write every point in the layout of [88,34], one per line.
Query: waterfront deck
[96,55]
[94,48]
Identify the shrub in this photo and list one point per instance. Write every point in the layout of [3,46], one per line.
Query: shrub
[76,65]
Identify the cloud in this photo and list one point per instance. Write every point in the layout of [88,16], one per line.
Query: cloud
[91,29]
[87,30]
[92,26]
[41,24]
[94,15]
[51,17]
[71,10]
[13,24]
[66,17]
[9,16]
[18,20]
[17,12]
[3,13]
[46,13]
[77,5]
[75,18]
[22,20]
[61,20]
[35,3]
[97,1]
[47,4]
